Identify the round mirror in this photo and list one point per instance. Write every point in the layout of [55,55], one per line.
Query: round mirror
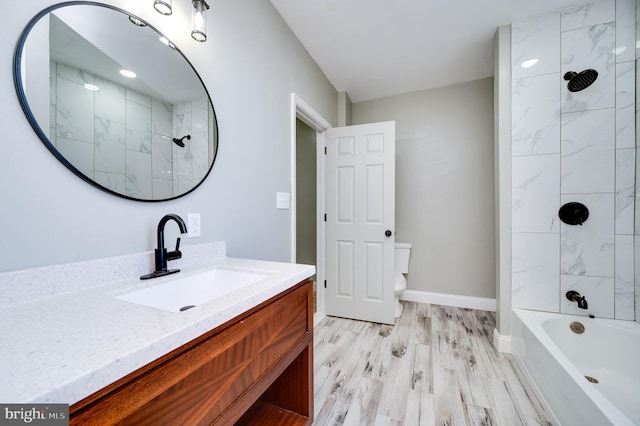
[115,101]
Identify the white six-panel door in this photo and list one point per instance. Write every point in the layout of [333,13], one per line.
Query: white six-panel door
[360,210]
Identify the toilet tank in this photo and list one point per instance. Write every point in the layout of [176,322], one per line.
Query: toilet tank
[402,257]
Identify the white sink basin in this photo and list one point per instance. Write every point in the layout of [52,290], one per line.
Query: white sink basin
[184,293]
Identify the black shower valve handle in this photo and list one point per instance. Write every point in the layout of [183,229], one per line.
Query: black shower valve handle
[573,213]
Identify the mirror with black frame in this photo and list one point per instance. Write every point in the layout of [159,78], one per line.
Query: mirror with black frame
[115,101]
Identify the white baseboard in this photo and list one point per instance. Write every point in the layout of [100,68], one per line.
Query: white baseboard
[480,303]
[503,344]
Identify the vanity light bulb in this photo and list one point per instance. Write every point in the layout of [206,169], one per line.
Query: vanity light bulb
[199,21]
[163,6]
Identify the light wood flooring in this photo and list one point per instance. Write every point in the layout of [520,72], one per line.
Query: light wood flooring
[435,366]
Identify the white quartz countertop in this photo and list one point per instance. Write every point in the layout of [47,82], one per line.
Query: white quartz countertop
[63,347]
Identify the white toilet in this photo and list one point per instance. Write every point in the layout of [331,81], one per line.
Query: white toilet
[403,251]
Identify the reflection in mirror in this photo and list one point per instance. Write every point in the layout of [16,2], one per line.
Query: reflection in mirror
[150,134]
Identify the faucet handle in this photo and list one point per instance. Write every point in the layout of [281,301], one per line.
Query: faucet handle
[176,254]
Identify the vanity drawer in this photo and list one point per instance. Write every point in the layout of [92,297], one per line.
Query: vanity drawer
[215,378]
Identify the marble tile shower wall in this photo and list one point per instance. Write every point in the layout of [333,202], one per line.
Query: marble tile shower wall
[191,164]
[122,139]
[574,147]
[637,210]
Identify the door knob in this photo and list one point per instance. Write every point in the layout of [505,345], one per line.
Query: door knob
[387,233]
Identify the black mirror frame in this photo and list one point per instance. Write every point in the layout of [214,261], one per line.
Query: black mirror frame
[22,98]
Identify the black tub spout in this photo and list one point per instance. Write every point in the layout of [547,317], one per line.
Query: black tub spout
[574,296]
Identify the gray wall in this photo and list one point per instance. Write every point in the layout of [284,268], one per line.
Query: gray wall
[250,65]
[444,184]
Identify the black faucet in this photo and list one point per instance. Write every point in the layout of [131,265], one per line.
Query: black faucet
[574,296]
[162,256]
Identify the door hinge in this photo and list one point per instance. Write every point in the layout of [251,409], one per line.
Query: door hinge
[325,150]
[325,283]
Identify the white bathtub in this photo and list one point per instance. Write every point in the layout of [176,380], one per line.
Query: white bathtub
[557,360]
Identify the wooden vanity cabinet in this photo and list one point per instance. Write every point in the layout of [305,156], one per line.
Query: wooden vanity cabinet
[254,369]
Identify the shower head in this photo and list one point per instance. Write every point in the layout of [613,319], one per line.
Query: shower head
[580,81]
[180,142]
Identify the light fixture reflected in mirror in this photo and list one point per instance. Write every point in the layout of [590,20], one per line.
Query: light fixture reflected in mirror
[136,21]
[163,6]
[166,42]
[199,20]
[128,74]
[619,50]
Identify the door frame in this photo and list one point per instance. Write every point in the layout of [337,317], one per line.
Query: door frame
[303,111]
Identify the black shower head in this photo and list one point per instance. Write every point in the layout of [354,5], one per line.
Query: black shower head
[180,142]
[580,81]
